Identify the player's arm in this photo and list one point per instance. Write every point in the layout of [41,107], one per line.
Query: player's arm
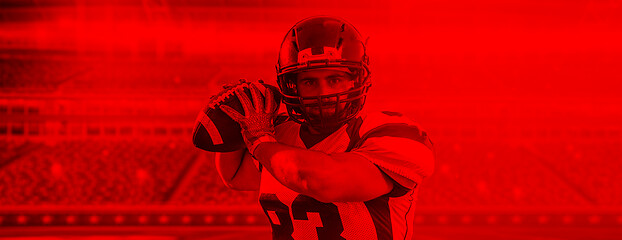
[237,170]
[342,177]
[329,178]
[391,157]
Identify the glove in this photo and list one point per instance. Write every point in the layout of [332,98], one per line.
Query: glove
[257,123]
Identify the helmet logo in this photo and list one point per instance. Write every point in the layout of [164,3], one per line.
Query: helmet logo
[329,53]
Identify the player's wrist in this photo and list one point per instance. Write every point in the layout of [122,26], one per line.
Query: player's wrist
[254,143]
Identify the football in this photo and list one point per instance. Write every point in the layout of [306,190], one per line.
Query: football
[214,130]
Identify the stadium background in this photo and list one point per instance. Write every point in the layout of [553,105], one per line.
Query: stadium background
[98,100]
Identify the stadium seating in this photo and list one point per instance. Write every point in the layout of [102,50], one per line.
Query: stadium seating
[591,168]
[92,172]
[150,172]
[39,75]
[488,174]
[516,146]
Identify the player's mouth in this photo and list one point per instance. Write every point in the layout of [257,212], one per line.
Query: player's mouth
[324,111]
[327,110]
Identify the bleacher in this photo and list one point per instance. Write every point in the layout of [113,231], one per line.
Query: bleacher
[94,173]
[188,76]
[36,75]
[113,140]
[593,169]
[174,172]
[493,175]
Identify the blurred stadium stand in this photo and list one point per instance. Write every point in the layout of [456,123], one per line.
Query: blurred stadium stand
[117,135]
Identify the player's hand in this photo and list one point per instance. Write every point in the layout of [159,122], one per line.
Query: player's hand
[257,122]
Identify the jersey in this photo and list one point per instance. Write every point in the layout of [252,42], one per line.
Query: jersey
[397,146]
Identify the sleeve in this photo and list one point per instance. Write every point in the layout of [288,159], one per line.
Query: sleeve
[402,151]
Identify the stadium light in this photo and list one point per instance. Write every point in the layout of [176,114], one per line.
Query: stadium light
[492,219]
[186,219]
[143,219]
[163,219]
[567,219]
[230,219]
[251,219]
[93,219]
[594,219]
[71,219]
[119,219]
[208,219]
[442,219]
[21,219]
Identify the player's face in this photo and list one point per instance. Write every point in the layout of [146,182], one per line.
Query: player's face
[318,82]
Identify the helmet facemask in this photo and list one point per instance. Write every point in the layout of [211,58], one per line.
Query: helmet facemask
[323,43]
[325,113]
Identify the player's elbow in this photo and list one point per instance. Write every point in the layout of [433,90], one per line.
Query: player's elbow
[331,185]
[325,191]
[329,197]
[240,185]
[228,182]
[331,192]
[322,186]
[320,190]
[320,179]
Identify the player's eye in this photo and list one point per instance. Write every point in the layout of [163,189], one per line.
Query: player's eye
[308,82]
[333,81]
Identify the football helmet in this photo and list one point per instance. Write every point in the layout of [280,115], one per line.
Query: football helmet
[323,42]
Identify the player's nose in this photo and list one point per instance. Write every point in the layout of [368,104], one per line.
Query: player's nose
[324,88]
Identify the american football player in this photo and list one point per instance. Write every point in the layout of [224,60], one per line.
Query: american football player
[328,169]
